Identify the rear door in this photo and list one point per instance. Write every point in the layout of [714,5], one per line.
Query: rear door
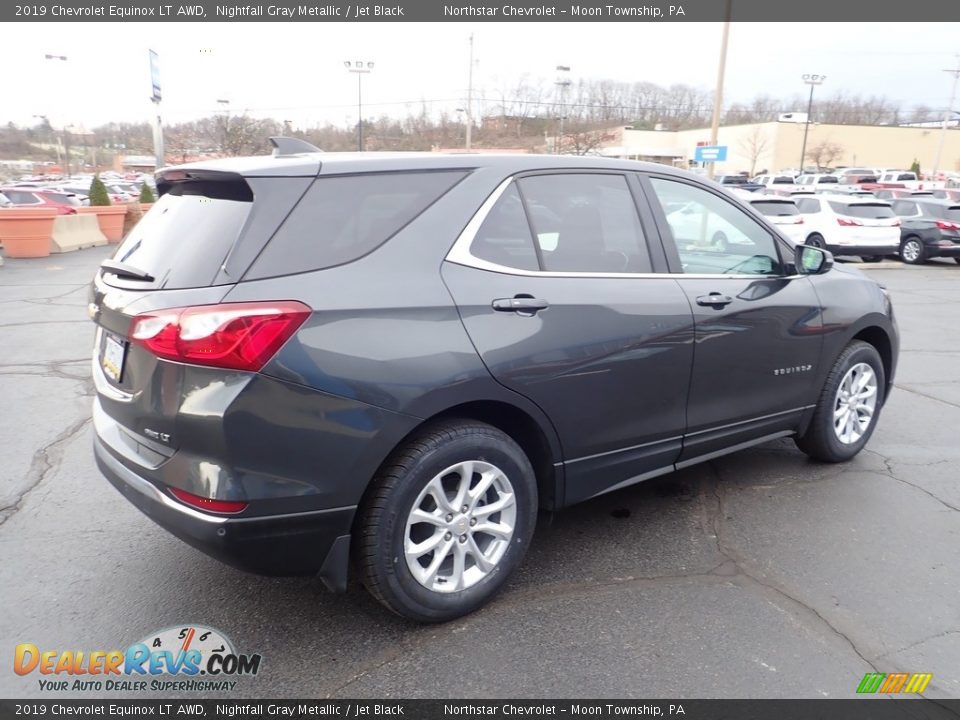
[759,329]
[558,290]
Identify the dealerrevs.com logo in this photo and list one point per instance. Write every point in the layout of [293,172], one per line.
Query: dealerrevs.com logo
[200,658]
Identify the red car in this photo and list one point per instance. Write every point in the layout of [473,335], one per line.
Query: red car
[66,203]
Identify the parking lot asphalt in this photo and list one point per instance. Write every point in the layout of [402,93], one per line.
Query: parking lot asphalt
[761,574]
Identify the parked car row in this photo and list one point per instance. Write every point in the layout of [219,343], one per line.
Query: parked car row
[68,194]
[912,224]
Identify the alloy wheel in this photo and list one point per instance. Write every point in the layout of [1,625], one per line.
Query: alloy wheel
[855,403]
[911,251]
[460,526]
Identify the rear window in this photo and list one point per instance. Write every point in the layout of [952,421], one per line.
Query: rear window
[783,180]
[867,211]
[185,238]
[953,213]
[828,179]
[342,218]
[771,208]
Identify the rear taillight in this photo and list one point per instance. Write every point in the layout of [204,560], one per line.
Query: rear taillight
[944,225]
[239,336]
[845,222]
[799,221]
[226,507]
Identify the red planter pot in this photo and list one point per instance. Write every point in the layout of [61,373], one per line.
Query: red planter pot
[110,218]
[26,232]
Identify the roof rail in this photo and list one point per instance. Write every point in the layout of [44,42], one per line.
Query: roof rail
[283,146]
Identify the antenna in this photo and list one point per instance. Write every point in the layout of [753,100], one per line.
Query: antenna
[284,146]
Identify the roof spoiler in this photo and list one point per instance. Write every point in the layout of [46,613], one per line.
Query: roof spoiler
[284,146]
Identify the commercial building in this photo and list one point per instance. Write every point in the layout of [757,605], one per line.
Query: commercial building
[775,146]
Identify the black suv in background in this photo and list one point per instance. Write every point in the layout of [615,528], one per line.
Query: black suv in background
[929,228]
[307,359]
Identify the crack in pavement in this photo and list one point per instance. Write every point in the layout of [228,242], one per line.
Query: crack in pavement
[945,633]
[726,550]
[45,460]
[888,463]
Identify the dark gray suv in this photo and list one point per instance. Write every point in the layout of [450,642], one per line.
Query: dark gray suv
[314,361]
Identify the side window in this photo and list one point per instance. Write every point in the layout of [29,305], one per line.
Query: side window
[343,217]
[808,206]
[712,235]
[904,208]
[585,222]
[504,238]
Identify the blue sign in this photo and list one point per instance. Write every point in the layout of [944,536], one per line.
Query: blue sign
[710,153]
[155,75]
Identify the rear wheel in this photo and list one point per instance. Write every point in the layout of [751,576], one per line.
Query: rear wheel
[871,258]
[911,251]
[447,521]
[816,240]
[957,260]
[848,407]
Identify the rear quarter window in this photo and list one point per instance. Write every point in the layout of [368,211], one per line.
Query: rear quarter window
[771,208]
[342,218]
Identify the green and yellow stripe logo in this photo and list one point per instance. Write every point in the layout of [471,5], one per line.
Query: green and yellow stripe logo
[890,683]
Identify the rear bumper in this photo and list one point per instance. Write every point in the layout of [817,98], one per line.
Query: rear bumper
[316,542]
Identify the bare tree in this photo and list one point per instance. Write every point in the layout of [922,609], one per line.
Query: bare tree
[824,153]
[580,139]
[753,146]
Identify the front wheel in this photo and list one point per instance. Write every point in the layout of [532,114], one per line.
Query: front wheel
[871,258]
[447,521]
[848,407]
[911,251]
[816,240]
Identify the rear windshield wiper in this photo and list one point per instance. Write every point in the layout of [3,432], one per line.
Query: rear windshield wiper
[126,271]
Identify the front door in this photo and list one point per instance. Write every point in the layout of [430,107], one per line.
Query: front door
[758,324]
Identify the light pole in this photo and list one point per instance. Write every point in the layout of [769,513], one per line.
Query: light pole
[66,129]
[812,81]
[946,119]
[361,68]
[563,82]
[225,104]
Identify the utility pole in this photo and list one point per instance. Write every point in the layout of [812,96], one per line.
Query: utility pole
[468,133]
[718,93]
[812,81]
[155,97]
[563,82]
[948,113]
[66,128]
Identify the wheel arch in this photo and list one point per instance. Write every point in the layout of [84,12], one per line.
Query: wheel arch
[879,338]
[538,443]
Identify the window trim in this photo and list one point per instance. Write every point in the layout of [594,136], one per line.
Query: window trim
[460,254]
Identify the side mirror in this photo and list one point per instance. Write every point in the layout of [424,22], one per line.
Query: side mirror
[811,260]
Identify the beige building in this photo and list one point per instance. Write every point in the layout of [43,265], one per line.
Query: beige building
[776,146]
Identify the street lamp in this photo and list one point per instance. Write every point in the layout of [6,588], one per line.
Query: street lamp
[225,104]
[66,129]
[562,82]
[950,112]
[361,68]
[812,81]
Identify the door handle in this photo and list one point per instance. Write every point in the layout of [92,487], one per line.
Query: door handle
[519,304]
[714,300]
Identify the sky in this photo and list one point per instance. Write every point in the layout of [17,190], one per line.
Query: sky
[294,71]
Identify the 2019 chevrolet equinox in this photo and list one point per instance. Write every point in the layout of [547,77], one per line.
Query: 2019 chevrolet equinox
[312,361]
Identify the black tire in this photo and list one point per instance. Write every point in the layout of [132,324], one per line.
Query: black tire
[957,260]
[380,533]
[871,258]
[919,258]
[820,441]
[816,240]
